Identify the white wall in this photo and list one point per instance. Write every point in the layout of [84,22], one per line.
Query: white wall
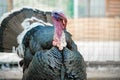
[100,51]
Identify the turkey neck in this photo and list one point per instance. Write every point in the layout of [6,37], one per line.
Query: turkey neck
[58,29]
[59,36]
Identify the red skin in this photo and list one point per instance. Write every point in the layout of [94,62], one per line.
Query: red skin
[60,25]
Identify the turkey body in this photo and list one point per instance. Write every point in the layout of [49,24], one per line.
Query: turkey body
[42,61]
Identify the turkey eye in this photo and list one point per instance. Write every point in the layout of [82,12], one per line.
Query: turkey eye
[56,13]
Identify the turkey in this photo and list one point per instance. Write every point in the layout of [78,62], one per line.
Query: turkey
[47,49]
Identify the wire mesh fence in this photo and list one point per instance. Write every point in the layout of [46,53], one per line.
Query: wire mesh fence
[94,24]
[98,39]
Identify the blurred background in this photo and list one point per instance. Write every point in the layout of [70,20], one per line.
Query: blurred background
[95,28]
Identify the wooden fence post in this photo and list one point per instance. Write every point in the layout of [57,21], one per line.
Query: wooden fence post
[10,5]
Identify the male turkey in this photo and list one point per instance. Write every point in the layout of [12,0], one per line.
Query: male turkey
[48,51]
